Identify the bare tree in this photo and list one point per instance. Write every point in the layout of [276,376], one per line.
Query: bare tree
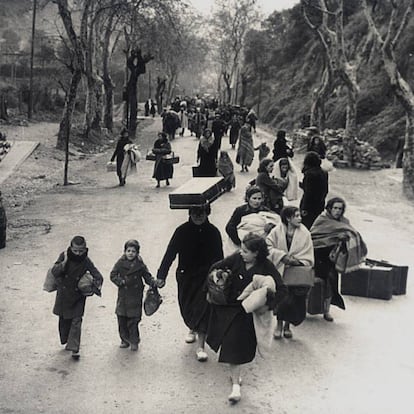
[230,23]
[78,67]
[338,70]
[401,13]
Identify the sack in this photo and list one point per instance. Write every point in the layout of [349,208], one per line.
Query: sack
[327,165]
[152,301]
[86,284]
[170,158]
[218,283]
[49,285]
[298,276]
[150,156]
[111,166]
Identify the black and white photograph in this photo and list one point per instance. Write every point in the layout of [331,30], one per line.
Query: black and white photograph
[206,206]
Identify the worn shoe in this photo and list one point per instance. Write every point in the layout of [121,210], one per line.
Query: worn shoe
[201,355]
[190,338]
[124,344]
[278,334]
[134,347]
[287,333]
[235,395]
[75,354]
[328,317]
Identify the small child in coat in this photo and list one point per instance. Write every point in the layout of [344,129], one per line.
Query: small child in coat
[128,274]
[263,149]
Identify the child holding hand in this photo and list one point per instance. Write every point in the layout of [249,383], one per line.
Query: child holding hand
[128,274]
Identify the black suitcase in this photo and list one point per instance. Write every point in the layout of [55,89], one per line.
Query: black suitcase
[399,276]
[369,282]
[315,305]
[197,192]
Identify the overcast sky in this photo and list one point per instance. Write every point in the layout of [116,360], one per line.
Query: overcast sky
[267,6]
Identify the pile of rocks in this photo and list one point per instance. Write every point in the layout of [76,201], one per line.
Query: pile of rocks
[365,156]
[4,146]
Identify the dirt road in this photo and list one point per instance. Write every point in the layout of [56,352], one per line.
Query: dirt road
[362,363]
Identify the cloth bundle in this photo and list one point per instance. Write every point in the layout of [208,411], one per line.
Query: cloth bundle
[257,223]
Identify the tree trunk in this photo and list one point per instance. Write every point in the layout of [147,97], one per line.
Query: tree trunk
[227,81]
[109,102]
[159,94]
[319,97]
[66,122]
[408,156]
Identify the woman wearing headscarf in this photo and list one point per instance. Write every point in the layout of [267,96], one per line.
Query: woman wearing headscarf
[339,248]
[245,151]
[162,169]
[198,245]
[284,169]
[317,145]
[119,154]
[315,189]
[206,155]
[281,148]
[290,244]
[272,188]
[226,169]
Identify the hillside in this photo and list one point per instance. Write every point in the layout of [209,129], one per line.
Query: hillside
[295,69]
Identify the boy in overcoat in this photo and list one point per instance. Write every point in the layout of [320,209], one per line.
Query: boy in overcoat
[70,301]
[128,274]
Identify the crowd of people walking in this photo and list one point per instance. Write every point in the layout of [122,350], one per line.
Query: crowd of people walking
[266,275]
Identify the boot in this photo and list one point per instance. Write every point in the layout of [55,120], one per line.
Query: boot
[278,331]
[326,315]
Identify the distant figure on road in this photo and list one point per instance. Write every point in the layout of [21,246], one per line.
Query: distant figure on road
[3,224]
[218,127]
[119,154]
[170,123]
[263,149]
[317,145]
[245,151]
[128,275]
[272,188]
[281,149]
[162,169]
[235,125]
[198,245]
[69,268]
[231,330]
[206,155]
[338,248]
[153,110]
[226,169]
[251,119]
[315,188]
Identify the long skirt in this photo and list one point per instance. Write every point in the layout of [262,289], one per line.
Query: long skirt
[192,299]
[293,309]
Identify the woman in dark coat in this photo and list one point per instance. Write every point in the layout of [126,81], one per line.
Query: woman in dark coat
[235,125]
[198,245]
[206,155]
[70,302]
[254,204]
[231,329]
[162,170]
[315,189]
[272,188]
[317,145]
[281,148]
[119,153]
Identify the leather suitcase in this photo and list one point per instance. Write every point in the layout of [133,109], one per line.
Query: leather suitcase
[199,191]
[399,276]
[315,305]
[369,282]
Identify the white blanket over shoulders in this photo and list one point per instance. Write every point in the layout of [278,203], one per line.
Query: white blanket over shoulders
[301,247]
